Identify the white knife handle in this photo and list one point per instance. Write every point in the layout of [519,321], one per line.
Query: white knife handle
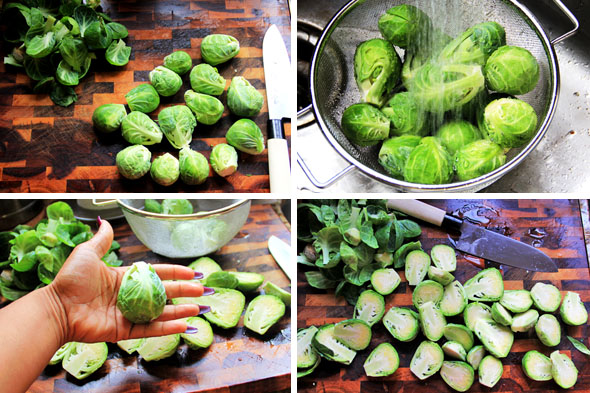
[419,210]
[279,170]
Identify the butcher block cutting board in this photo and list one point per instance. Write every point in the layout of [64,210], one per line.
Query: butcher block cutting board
[238,361]
[554,226]
[48,148]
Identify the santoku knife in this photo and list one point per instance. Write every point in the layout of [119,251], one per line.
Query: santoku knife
[479,241]
[281,252]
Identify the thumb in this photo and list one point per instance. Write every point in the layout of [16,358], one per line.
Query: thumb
[101,242]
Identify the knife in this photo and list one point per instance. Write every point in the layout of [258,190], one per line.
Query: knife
[277,73]
[281,252]
[479,241]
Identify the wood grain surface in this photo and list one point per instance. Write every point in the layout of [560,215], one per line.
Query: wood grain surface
[238,361]
[48,148]
[554,226]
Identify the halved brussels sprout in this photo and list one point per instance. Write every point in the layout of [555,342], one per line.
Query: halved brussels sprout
[496,338]
[509,122]
[454,299]
[395,152]
[207,109]
[219,48]
[224,159]
[490,371]
[206,79]
[511,70]
[143,98]
[563,370]
[476,355]
[307,356]
[272,289]
[158,348]
[226,306]
[548,330]
[263,312]
[427,360]
[177,123]
[382,361]
[384,281]
[444,257]
[245,135]
[130,346]
[487,286]
[364,124]
[429,163]
[108,117]
[475,45]
[141,296]
[178,61]
[517,301]
[458,375]
[134,161]
[440,276]
[193,166]
[406,115]
[83,359]
[60,353]
[249,281]
[165,81]
[328,347]
[404,25]
[243,99]
[454,350]
[455,134]
[205,265]
[478,158]
[427,291]
[417,263]
[354,333]
[402,323]
[501,315]
[203,338]
[432,321]
[369,307]
[474,312]
[537,366]
[165,169]
[383,258]
[221,280]
[546,297]
[523,322]
[138,129]
[460,334]
[572,311]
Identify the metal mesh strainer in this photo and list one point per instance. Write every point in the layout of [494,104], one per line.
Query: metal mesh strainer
[333,86]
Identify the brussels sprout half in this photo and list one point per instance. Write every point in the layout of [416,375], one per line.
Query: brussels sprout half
[406,115]
[427,291]
[487,286]
[138,129]
[460,334]
[221,280]
[83,359]
[490,371]
[158,348]
[402,323]
[193,166]
[517,301]
[509,122]
[206,79]
[354,333]
[432,321]
[108,117]
[165,169]
[243,99]
[263,312]
[224,159]
[475,45]
[382,361]
[177,123]
[130,346]
[369,307]
[497,339]
[307,356]
[546,297]
[474,312]
[328,347]
[501,315]
[205,265]
[207,109]
[143,98]
[203,338]
[226,307]
[454,299]
[272,289]
[429,163]
[250,281]
[511,70]
[444,257]
[537,366]
[523,322]
[178,61]
[165,81]
[60,353]
[404,25]
[440,276]
[245,135]
[141,296]
[476,355]
[478,158]
[427,359]
[395,152]
[455,134]
[364,124]
[548,330]
[219,48]
[572,311]
[563,370]
[455,350]
[134,161]
[384,281]
[417,263]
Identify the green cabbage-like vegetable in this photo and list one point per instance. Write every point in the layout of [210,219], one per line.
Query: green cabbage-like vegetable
[177,123]
[416,268]
[444,257]
[523,322]
[142,296]
[165,81]
[546,297]
[165,169]
[204,336]
[82,359]
[427,359]
[364,124]
[207,109]
[143,98]
[178,61]
[118,53]
[455,350]
[455,134]
[226,305]
[406,115]
[134,161]
[517,300]
[206,79]
[354,333]
[478,158]
[509,122]
[497,339]
[245,135]
[176,207]
[369,307]
[454,299]
[475,45]
[537,366]
[475,356]
[487,286]
[460,334]
[427,291]
[384,281]
[243,99]
[511,70]
[108,117]
[394,153]
[474,312]
[194,167]
[572,310]
[490,371]
[548,330]
[307,356]
[328,347]
[404,25]
[402,323]
[563,370]
[432,321]
[429,163]
[158,348]
[224,159]
[458,375]
[219,48]
[137,128]
[382,361]
[501,315]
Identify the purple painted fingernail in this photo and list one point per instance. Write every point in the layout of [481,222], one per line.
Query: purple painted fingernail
[208,291]
[191,330]
[204,309]
[99,220]
[198,276]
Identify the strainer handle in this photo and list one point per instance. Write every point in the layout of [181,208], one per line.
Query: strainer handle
[107,202]
[571,17]
[314,180]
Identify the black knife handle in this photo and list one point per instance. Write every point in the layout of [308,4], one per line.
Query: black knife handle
[275,129]
[453,223]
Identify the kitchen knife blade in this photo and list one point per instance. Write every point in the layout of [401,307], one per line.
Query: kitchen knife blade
[277,69]
[281,252]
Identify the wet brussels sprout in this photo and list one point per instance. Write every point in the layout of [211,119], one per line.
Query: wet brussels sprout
[417,263]
[377,69]
[474,312]
[475,45]
[245,136]
[490,371]
[475,356]
[501,315]
[142,296]
[179,62]
[307,356]
[395,152]
[152,206]
[194,167]
[455,350]
[203,338]
[143,98]
[454,135]
[243,99]
[511,70]
[548,330]
[134,161]
[206,79]
[369,307]
[384,281]
[427,360]
[137,128]
[517,301]
[354,333]
[207,109]
[108,117]
[454,299]
[382,361]
[165,169]
[572,310]
[177,123]
[478,158]
[406,115]
[402,323]
[497,339]
[83,359]
[165,81]
[537,366]
[563,370]
[219,48]
[404,25]
[487,286]
[546,297]
[224,159]
[523,322]
[429,163]
[364,124]
[432,321]
[509,122]
[427,291]
[460,334]
[440,276]
[330,348]
[158,348]
[426,50]
[444,257]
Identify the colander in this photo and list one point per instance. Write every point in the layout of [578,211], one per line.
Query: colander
[214,223]
[333,87]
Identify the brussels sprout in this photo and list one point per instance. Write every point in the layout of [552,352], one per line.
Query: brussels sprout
[563,370]
[537,366]
[404,25]
[509,122]
[130,346]
[478,158]
[475,45]
[364,124]
[487,286]
[143,98]
[118,53]
[307,356]
[60,353]
[427,360]
[501,315]
[458,375]
[440,276]
[206,79]
[243,99]
[517,301]
[263,312]
[108,117]
[354,333]
[432,321]
[455,350]
[406,115]
[454,299]
[226,307]
[395,152]
[427,291]
[179,62]
[444,257]
[142,296]
[546,297]
[572,311]
[134,161]
[137,128]
[245,136]
[328,347]
[475,356]
[474,312]
[207,109]
[369,307]
[250,281]
[490,371]
[83,359]
[382,361]
[352,236]
[193,166]
[384,281]
[417,263]
[455,134]
[158,348]
[165,169]
[377,69]
[460,334]
[402,323]
[203,338]
[224,159]
[511,70]
[177,123]
[523,322]
[429,163]
[497,339]
[273,289]
[165,81]
[548,330]
[221,280]
[219,48]
[205,265]
[383,258]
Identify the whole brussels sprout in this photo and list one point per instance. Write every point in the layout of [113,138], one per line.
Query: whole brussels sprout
[511,70]
[219,48]
[403,25]
[377,69]
[455,134]
[406,115]
[478,158]
[108,117]
[177,123]
[416,56]
[141,296]
[245,136]
[475,45]
[429,163]
[364,124]
[165,81]
[179,62]
[243,99]
[137,128]
[224,159]
[395,152]
[206,79]
[207,109]
[134,161]
[165,169]
[509,122]
[143,98]
[194,167]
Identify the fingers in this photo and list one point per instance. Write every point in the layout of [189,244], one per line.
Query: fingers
[101,242]
[174,272]
[183,289]
[177,312]
[153,329]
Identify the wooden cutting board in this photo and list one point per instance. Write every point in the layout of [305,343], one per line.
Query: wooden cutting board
[554,226]
[238,361]
[48,148]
